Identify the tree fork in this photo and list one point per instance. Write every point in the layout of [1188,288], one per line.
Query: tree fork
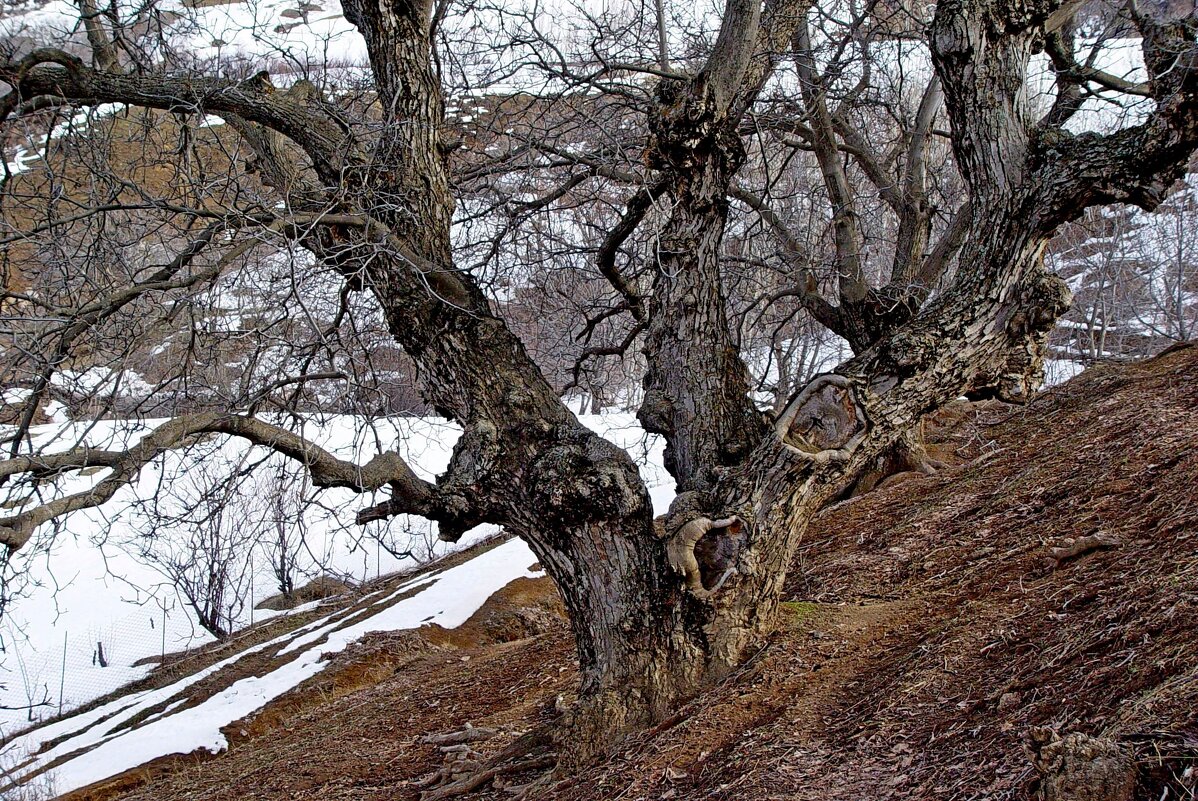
[660,611]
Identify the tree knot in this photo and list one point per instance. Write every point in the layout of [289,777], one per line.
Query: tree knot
[656,412]
[704,551]
[1040,302]
[689,130]
[825,421]
[584,479]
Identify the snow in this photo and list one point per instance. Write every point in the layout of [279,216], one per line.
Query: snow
[11,397]
[90,582]
[1058,371]
[448,599]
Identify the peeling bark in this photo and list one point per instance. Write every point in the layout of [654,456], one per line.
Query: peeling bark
[662,608]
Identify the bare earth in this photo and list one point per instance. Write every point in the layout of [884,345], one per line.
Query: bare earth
[1049,578]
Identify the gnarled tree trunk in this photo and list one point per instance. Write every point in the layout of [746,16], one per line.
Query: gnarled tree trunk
[659,608]
[696,386]
[662,609]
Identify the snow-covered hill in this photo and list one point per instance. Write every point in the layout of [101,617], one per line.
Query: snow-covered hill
[99,577]
[961,570]
[100,742]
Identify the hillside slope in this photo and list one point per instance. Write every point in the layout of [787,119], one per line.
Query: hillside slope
[1048,580]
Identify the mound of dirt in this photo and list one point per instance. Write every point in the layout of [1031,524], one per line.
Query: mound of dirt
[1020,625]
[317,589]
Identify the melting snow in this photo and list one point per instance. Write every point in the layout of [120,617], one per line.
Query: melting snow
[447,599]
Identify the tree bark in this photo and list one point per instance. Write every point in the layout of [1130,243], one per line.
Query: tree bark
[661,608]
[696,386]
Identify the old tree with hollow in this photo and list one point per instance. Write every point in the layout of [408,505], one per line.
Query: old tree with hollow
[659,608]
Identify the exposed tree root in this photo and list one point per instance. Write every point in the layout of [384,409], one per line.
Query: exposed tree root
[1083,545]
[907,455]
[466,770]
[470,734]
[484,776]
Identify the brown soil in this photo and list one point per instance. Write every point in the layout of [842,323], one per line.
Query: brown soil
[931,627]
[317,589]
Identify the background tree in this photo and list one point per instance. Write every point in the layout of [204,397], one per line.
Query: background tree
[363,184]
[199,544]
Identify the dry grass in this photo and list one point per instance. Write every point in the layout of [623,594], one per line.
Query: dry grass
[930,628]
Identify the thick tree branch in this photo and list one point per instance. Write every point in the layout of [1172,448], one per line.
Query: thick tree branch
[1138,164]
[725,68]
[779,20]
[949,243]
[103,53]
[847,237]
[416,495]
[47,71]
[913,219]
[275,166]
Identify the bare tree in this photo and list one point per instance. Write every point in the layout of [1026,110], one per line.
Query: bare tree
[201,543]
[659,608]
[280,505]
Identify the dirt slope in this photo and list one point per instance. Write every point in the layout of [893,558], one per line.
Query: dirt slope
[933,624]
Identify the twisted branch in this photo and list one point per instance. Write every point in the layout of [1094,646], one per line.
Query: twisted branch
[409,493]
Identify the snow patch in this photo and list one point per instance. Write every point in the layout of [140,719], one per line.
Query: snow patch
[448,599]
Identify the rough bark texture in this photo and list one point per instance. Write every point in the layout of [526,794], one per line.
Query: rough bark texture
[524,460]
[696,387]
[661,608]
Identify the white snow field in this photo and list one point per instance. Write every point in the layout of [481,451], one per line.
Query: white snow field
[88,581]
[448,599]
